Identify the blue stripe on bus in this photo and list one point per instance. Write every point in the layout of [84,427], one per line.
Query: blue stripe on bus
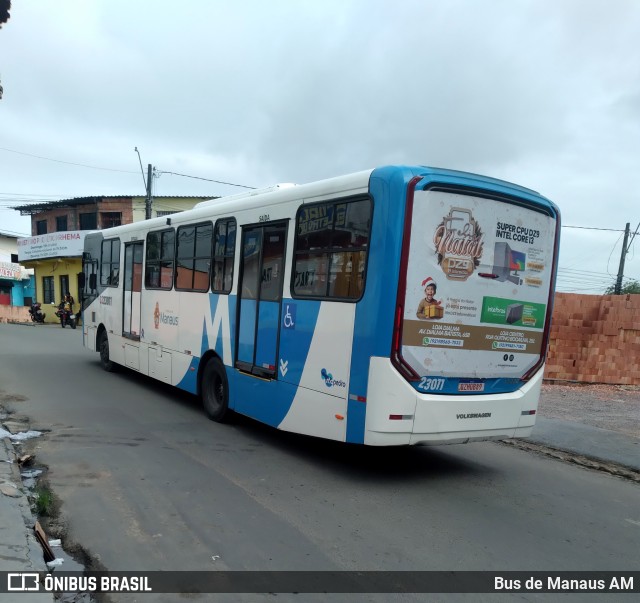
[373,328]
[189,381]
[270,401]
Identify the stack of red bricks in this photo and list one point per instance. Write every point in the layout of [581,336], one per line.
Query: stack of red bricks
[595,339]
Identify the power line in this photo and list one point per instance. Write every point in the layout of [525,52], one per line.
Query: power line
[592,228]
[207,179]
[578,272]
[93,167]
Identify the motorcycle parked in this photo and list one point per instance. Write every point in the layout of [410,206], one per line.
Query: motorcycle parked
[66,317]
[37,315]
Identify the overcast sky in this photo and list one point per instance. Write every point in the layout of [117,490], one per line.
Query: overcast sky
[544,93]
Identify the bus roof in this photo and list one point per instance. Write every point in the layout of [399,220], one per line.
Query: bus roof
[351,184]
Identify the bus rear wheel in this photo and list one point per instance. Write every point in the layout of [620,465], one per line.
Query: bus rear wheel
[215,391]
[103,348]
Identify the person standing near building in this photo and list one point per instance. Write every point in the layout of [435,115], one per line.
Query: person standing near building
[68,300]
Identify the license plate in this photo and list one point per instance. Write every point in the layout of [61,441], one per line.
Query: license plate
[470,387]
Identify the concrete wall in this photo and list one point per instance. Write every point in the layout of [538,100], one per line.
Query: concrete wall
[14,314]
[595,339]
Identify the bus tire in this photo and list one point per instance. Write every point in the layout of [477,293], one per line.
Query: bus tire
[103,347]
[215,391]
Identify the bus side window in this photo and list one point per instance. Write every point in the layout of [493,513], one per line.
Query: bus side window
[160,259]
[331,246]
[110,263]
[193,257]
[224,245]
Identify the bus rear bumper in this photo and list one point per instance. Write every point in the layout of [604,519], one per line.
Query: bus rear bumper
[399,415]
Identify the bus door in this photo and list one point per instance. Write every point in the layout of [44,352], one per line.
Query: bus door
[133,254]
[260,292]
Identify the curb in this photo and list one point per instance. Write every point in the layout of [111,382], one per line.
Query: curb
[12,509]
[568,456]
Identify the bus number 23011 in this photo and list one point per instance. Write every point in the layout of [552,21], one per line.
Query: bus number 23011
[431,384]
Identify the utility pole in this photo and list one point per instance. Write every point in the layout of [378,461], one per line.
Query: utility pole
[147,205]
[618,287]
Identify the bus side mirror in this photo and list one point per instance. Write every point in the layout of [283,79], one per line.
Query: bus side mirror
[81,280]
[93,282]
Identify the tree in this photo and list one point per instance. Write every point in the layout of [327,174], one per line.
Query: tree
[631,286]
[5,6]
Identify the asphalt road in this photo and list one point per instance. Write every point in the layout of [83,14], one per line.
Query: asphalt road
[147,482]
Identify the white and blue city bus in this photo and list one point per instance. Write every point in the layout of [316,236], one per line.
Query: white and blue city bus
[400,305]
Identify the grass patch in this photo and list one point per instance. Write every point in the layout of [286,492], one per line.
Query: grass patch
[44,502]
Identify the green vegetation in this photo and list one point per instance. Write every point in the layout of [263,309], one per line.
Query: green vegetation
[631,286]
[43,502]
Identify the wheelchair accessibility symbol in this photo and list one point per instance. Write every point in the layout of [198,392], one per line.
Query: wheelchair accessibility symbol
[289,317]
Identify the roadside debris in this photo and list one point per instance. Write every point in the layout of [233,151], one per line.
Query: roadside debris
[29,477]
[25,459]
[41,537]
[24,435]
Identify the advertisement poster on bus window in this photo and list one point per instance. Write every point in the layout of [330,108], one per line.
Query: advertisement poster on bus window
[478,281]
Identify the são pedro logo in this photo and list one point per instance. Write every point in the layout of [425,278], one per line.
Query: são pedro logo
[329,381]
[458,243]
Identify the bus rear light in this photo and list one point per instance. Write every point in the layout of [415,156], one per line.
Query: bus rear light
[340,417]
[396,355]
[528,412]
[400,417]
[357,398]
[547,323]
[396,343]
